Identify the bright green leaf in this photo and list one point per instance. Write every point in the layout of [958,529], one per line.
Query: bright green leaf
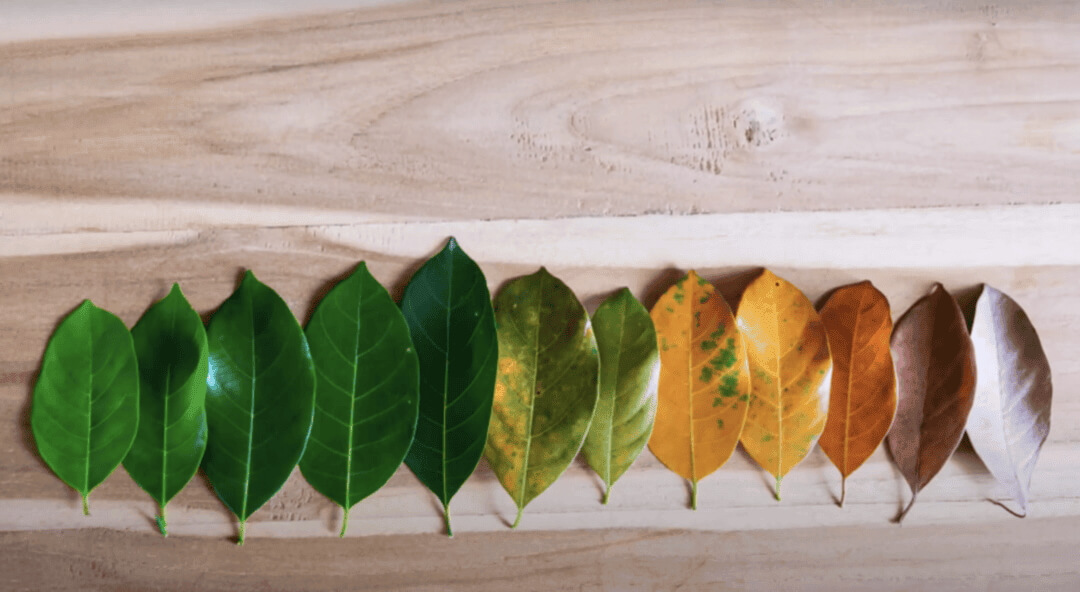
[629,368]
[366,391]
[259,399]
[86,399]
[448,309]
[170,343]
[547,385]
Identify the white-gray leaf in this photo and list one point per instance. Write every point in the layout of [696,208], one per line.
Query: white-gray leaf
[1011,416]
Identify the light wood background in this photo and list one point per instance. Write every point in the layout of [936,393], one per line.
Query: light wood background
[617,143]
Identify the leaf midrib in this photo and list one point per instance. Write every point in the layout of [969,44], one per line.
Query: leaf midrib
[355,361]
[165,421]
[775,318]
[89,405]
[250,409]
[850,381]
[995,312]
[532,398]
[446,377]
[615,394]
[689,309]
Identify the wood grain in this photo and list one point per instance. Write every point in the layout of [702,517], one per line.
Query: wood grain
[856,558]
[489,109]
[617,143]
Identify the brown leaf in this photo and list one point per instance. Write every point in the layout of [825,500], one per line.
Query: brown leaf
[862,399]
[935,369]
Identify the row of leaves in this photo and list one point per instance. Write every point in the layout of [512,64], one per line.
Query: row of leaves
[529,383]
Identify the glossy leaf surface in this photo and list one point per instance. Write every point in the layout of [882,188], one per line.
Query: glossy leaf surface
[547,385]
[170,343]
[629,368]
[862,397]
[259,399]
[86,399]
[366,396]
[935,368]
[704,381]
[788,354]
[1010,418]
[448,310]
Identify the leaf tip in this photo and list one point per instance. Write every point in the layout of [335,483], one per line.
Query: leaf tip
[452,244]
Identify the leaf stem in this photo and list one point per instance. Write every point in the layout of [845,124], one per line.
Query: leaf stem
[843,490]
[161,524]
[518,519]
[607,495]
[900,518]
[344,523]
[777,492]
[240,537]
[446,519]
[693,495]
[85,504]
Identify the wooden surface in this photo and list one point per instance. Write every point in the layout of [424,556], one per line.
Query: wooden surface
[617,143]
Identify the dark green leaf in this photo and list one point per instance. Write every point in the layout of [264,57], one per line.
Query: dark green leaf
[260,397]
[448,309]
[86,399]
[170,343]
[366,398]
[629,369]
[547,385]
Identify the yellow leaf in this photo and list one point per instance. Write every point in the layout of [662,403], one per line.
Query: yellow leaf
[704,383]
[862,399]
[788,355]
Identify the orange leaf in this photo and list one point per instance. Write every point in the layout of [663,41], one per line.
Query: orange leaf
[788,355]
[704,382]
[862,400]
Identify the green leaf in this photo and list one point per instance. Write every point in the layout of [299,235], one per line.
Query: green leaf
[260,397]
[366,396]
[629,370]
[170,344]
[547,386]
[448,309]
[86,399]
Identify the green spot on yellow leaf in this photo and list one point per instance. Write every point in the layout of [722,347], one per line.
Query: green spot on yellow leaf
[729,386]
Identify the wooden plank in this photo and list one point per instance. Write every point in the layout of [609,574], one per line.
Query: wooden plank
[1041,557]
[897,238]
[497,109]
